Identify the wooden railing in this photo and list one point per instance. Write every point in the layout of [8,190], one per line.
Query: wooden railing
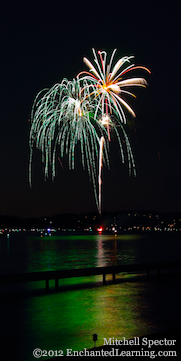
[85,272]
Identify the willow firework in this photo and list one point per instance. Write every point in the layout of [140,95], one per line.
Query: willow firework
[61,117]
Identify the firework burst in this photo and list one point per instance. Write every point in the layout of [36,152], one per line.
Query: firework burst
[108,84]
[85,111]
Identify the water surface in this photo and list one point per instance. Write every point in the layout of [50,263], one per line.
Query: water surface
[30,318]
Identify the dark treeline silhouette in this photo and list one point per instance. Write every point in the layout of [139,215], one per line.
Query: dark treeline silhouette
[81,221]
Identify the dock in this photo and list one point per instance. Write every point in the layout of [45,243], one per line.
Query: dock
[86,272]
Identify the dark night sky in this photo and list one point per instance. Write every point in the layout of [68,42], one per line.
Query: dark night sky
[45,41]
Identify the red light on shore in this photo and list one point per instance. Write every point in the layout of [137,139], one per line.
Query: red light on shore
[100,229]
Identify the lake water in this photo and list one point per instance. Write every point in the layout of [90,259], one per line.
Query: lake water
[133,306]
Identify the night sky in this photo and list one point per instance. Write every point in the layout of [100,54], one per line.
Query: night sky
[44,41]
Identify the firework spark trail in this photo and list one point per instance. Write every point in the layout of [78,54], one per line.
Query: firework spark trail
[100,169]
[104,147]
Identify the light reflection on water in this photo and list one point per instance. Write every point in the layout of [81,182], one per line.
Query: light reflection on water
[69,318]
[27,253]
